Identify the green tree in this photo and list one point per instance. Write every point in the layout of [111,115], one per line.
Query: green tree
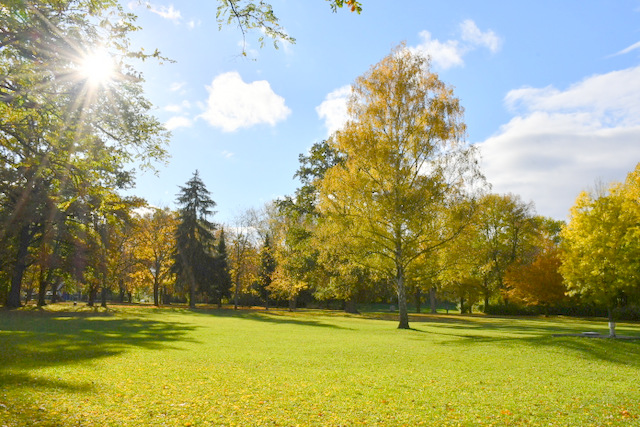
[600,249]
[266,270]
[64,135]
[221,286]
[193,258]
[406,168]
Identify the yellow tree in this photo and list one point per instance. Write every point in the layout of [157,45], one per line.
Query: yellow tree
[155,240]
[406,166]
[600,245]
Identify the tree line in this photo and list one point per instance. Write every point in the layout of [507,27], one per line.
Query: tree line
[392,208]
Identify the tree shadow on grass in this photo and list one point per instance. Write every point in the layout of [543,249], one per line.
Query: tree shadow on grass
[538,332]
[31,340]
[274,317]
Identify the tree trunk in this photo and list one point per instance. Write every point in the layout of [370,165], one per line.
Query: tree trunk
[292,303]
[403,314]
[461,304]
[13,299]
[236,293]
[156,291]
[54,290]
[350,306]
[432,300]
[418,300]
[42,292]
[103,295]
[486,302]
[29,295]
[266,303]
[612,323]
[92,296]
[192,295]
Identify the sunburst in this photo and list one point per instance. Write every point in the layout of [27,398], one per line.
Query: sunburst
[97,68]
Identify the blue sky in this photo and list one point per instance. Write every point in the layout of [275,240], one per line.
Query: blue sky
[551,91]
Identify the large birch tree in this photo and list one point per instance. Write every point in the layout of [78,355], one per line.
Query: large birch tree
[407,170]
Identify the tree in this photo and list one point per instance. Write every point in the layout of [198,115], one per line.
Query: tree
[243,257]
[600,249]
[221,286]
[505,234]
[64,136]
[407,167]
[193,255]
[266,270]
[155,234]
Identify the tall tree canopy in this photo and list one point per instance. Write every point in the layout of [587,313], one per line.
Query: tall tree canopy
[67,138]
[600,246]
[407,170]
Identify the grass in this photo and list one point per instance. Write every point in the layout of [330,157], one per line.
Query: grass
[131,366]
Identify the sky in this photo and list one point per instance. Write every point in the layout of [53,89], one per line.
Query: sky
[551,91]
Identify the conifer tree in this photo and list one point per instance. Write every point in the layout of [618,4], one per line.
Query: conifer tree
[193,259]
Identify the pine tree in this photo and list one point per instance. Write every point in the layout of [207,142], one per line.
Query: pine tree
[193,259]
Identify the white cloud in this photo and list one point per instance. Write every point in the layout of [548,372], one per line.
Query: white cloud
[178,108]
[563,141]
[334,109]
[234,104]
[193,24]
[166,12]
[472,34]
[450,53]
[227,154]
[443,54]
[178,122]
[176,86]
[628,49]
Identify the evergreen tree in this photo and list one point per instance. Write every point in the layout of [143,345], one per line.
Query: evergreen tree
[221,286]
[193,259]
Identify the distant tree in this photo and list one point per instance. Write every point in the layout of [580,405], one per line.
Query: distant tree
[243,256]
[193,258]
[406,166]
[221,286]
[266,270]
[155,240]
[505,234]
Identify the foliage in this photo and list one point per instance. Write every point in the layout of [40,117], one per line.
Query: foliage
[251,14]
[154,243]
[66,142]
[538,283]
[600,249]
[406,169]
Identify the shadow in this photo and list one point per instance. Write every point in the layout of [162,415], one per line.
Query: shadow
[275,317]
[35,339]
[542,332]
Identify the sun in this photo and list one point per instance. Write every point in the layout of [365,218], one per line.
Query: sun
[97,67]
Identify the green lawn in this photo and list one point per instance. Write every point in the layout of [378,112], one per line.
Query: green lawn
[131,366]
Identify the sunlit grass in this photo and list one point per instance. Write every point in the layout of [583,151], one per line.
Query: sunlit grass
[144,366]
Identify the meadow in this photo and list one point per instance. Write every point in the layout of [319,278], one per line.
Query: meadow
[142,366]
